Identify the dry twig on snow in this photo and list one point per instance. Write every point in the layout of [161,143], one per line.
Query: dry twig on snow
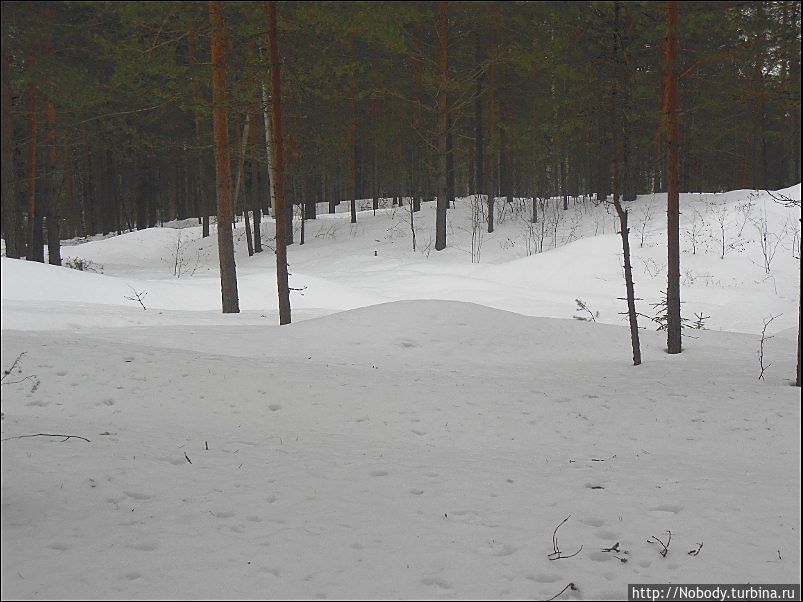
[570,586]
[48,435]
[665,546]
[557,554]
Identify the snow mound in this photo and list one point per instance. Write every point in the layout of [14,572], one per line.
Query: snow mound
[412,449]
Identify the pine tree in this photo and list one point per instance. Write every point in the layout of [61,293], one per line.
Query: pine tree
[670,106]
[277,145]
[10,210]
[443,125]
[228,268]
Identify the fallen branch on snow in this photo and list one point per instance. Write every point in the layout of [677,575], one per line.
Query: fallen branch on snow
[15,366]
[557,554]
[48,435]
[571,586]
[138,296]
[665,546]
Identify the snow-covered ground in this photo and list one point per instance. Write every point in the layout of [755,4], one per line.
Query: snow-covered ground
[422,427]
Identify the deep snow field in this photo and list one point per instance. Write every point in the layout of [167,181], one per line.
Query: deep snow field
[422,427]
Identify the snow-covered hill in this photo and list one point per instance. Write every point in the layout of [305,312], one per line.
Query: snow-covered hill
[520,267]
[423,443]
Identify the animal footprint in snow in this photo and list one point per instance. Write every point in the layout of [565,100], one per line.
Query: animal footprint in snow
[666,509]
[138,496]
[146,546]
[468,516]
[501,549]
[545,578]
[607,535]
[174,461]
[133,575]
[61,547]
[437,582]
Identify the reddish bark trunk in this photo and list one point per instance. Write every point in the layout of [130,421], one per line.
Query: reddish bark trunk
[228,268]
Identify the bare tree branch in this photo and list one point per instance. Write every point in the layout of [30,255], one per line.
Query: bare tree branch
[47,435]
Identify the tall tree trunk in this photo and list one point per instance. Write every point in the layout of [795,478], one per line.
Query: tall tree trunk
[758,105]
[670,77]
[87,222]
[52,213]
[479,142]
[354,140]
[98,169]
[73,208]
[238,185]
[504,162]
[141,199]
[35,248]
[10,207]
[799,318]
[277,144]
[113,201]
[268,151]
[442,104]
[795,115]
[311,206]
[225,240]
[603,155]
[450,186]
[200,183]
[375,159]
[492,145]
[417,153]
[624,231]
[255,200]
[618,115]
[628,77]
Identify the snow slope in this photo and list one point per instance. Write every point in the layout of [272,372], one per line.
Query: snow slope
[421,448]
[343,265]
